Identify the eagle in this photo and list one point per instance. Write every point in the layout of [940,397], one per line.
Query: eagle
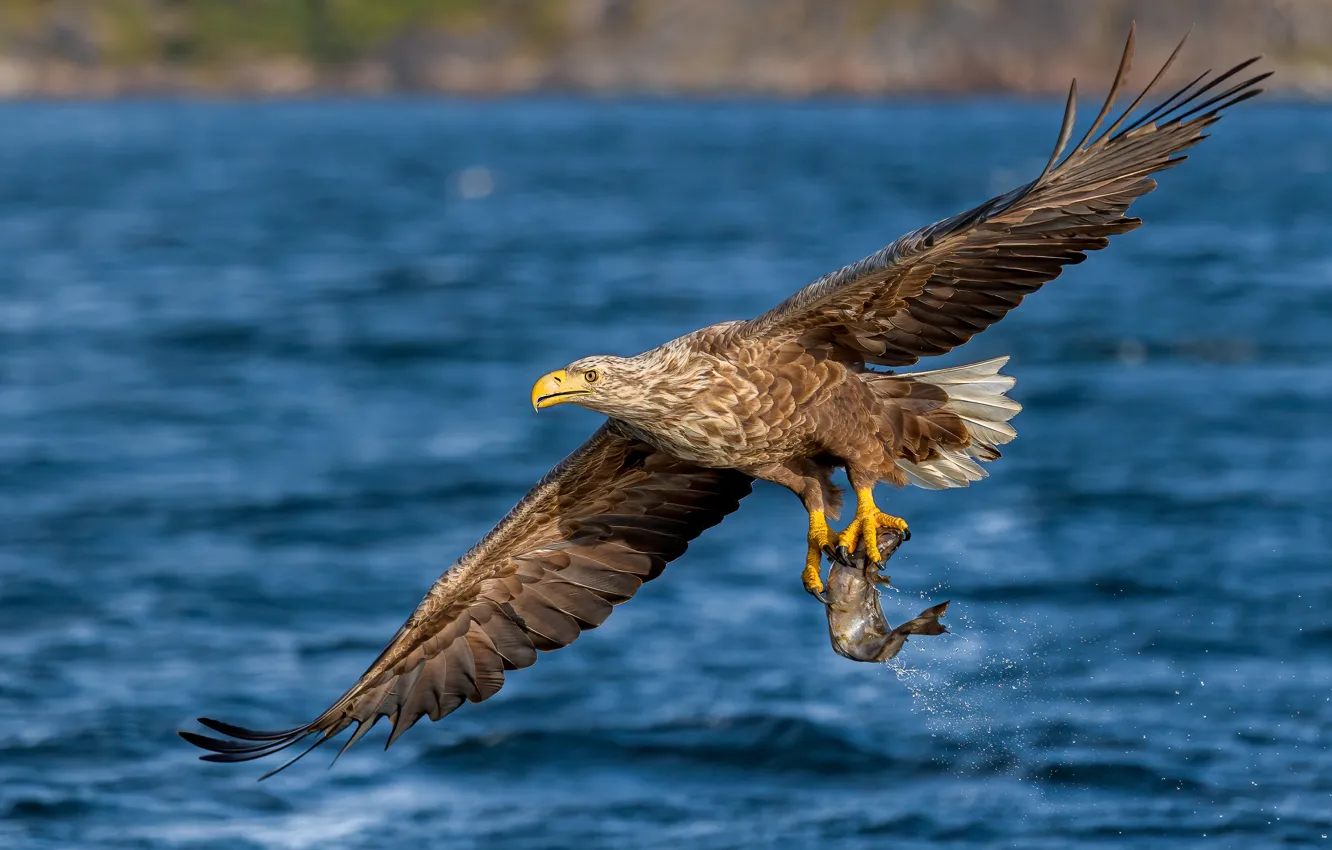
[788,397]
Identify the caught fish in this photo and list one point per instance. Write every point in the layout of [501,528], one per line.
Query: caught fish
[856,623]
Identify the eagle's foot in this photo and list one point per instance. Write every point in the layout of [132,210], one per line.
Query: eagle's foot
[894,523]
[864,529]
[819,538]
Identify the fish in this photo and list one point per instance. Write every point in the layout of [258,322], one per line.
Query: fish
[856,624]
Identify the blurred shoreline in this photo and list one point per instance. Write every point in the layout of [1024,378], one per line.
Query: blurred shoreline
[783,48]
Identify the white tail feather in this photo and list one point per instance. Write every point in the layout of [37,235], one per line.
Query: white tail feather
[976,396]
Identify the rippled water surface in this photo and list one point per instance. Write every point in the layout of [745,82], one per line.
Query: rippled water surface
[264,373]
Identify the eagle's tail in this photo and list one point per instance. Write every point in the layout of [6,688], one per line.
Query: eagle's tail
[976,398]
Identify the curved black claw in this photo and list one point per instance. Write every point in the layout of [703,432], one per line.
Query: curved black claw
[838,555]
[817,594]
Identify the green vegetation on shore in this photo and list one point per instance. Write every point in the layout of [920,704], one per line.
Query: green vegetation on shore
[208,32]
[784,47]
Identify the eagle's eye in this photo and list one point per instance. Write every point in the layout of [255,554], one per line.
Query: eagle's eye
[591,376]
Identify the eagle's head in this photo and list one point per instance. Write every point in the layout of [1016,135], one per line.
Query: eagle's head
[604,383]
[639,388]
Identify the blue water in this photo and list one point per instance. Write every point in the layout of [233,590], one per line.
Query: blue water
[264,373]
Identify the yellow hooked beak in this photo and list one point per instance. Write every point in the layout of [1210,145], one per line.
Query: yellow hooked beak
[556,388]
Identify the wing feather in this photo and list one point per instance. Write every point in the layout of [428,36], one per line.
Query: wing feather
[937,287]
[605,520]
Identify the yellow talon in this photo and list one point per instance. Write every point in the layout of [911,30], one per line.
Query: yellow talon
[864,529]
[819,536]
[896,523]
[810,577]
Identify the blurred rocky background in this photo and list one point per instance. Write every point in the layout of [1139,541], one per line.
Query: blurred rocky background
[789,48]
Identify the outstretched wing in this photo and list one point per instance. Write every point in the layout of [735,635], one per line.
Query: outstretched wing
[934,289]
[607,519]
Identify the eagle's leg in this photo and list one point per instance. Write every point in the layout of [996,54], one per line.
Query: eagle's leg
[808,482]
[865,527]
[819,537]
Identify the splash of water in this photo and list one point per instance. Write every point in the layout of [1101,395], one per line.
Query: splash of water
[974,688]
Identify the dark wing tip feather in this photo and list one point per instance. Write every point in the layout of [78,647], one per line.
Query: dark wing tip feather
[1244,88]
[1172,111]
[236,752]
[249,734]
[289,762]
[1240,98]
[1125,62]
[1109,133]
[1168,103]
[213,745]
[1065,131]
[245,745]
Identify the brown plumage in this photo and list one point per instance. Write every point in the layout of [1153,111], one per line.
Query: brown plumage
[788,397]
[607,519]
